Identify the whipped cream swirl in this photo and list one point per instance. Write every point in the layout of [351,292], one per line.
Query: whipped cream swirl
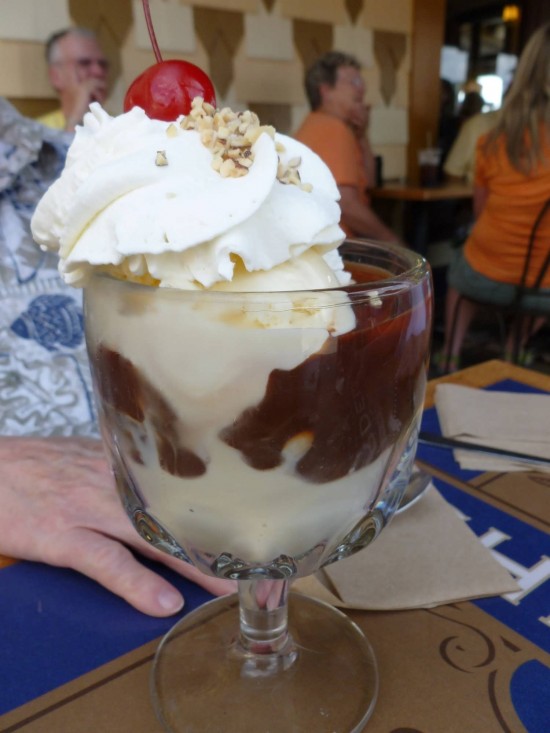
[141,199]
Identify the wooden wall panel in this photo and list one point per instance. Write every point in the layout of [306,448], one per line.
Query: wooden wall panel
[174,27]
[221,33]
[237,6]
[24,70]
[312,39]
[389,51]
[424,89]
[320,11]
[268,36]
[261,81]
[28,20]
[356,40]
[388,15]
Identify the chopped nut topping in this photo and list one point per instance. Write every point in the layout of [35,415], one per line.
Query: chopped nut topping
[230,136]
[161,158]
[227,168]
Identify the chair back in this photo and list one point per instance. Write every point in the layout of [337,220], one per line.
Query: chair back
[523,288]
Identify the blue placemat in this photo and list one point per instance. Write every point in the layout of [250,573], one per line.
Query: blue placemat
[523,550]
[56,625]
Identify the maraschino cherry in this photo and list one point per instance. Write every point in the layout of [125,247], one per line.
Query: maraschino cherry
[166,89]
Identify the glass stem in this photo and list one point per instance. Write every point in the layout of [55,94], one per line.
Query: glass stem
[263,613]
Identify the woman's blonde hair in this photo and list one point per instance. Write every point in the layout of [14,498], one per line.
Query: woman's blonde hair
[526,109]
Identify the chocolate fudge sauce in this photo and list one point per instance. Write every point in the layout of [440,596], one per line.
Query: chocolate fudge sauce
[130,398]
[351,402]
[347,403]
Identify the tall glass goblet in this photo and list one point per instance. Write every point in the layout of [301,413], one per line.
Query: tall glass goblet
[261,436]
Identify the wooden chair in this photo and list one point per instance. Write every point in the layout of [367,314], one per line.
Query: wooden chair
[521,312]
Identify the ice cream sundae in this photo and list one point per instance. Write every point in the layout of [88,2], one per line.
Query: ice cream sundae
[230,360]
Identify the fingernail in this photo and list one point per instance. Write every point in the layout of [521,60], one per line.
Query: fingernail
[170,600]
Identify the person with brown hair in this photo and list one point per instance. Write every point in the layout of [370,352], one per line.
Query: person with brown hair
[512,184]
[336,129]
[78,70]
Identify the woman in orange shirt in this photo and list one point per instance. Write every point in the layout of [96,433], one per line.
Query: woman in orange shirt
[512,184]
[336,129]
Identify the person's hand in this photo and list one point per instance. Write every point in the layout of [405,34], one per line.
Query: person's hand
[59,506]
[79,93]
[359,119]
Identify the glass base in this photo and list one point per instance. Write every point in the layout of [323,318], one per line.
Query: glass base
[326,680]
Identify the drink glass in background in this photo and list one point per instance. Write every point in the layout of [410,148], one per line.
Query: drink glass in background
[378,171]
[261,436]
[429,160]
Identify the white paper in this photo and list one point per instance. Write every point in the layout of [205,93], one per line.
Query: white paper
[508,420]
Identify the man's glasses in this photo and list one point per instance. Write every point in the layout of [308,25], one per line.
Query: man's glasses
[354,81]
[86,63]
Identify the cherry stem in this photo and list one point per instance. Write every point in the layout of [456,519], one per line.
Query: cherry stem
[151,30]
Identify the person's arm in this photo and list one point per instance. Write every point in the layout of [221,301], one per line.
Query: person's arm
[359,122]
[361,218]
[59,506]
[369,162]
[459,163]
[78,96]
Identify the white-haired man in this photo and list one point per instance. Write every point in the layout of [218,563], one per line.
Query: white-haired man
[78,71]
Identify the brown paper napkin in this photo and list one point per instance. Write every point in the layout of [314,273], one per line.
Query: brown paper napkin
[519,422]
[426,557]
